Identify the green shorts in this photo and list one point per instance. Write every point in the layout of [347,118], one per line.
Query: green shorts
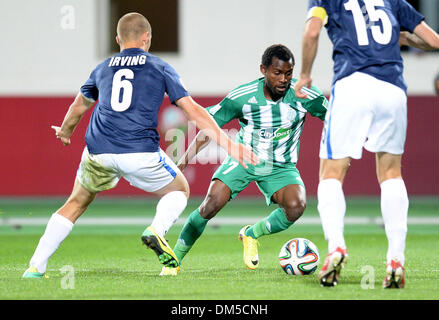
[269,179]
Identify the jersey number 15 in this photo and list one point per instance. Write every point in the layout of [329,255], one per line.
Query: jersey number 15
[375,15]
[116,90]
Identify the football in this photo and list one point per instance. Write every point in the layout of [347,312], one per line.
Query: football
[299,256]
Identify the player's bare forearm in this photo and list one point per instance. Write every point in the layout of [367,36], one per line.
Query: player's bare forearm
[74,114]
[204,121]
[423,37]
[198,144]
[412,40]
[72,118]
[208,125]
[309,48]
[310,43]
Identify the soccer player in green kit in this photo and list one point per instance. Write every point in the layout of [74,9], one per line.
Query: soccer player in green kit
[271,119]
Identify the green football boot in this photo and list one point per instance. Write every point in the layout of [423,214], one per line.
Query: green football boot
[161,248]
[32,273]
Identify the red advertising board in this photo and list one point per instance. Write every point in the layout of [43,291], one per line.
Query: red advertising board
[35,163]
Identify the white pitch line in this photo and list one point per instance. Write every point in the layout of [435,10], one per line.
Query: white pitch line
[215,221]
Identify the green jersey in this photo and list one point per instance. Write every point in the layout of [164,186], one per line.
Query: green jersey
[271,128]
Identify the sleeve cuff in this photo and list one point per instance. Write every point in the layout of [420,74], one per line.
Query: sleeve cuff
[87,98]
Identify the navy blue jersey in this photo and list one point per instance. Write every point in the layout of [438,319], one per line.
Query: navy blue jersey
[130,87]
[365,35]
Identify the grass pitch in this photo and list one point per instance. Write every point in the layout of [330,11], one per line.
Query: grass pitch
[109,262]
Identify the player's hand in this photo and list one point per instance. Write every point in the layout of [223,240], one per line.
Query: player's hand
[304,81]
[243,154]
[60,135]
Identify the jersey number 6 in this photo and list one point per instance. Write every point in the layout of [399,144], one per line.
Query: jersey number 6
[116,90]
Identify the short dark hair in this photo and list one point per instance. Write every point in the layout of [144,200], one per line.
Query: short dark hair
[131,26]
[279,51]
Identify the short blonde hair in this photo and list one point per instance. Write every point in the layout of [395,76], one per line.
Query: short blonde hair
[131,26]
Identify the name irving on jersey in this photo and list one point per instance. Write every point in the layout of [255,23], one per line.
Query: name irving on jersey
[127,61]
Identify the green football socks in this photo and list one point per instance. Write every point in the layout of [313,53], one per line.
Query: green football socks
[192,230]
[195,225]
[274,223]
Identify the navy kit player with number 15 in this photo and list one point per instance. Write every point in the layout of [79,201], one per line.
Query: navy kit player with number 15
[122,140]
[368,108]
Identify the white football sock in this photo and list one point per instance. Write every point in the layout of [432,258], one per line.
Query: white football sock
[57,229]
[332,208]
[169,208]
[394,208]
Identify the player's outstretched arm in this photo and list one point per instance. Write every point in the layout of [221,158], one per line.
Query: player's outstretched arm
[423,37]
[198,144]
[310,43]
[72,118]
[204,121]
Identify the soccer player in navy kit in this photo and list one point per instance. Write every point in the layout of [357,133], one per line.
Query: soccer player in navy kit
[368,107]
[122,140]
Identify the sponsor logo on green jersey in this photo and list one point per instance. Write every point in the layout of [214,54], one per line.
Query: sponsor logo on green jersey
[274,134]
